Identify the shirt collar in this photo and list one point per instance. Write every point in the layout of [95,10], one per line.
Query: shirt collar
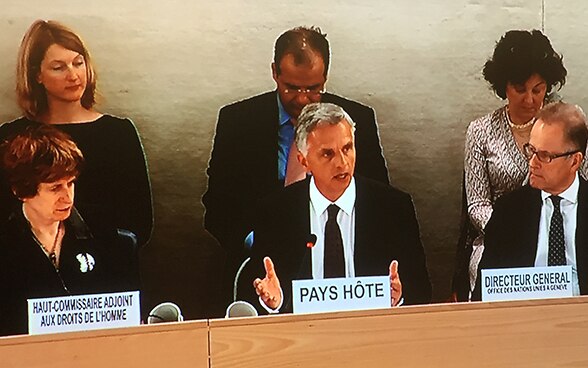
[346,202]
[283,116]
[570,194]
[74,224]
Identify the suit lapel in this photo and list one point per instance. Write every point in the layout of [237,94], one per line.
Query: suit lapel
[531,205]
[363,236]
[300,207]
[266,138]
[582,237]
[297,210]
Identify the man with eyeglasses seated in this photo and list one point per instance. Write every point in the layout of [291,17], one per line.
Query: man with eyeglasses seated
[252,153]
[543,223]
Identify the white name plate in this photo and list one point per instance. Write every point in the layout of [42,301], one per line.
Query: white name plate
[84,312]
[340,294]
[526,283]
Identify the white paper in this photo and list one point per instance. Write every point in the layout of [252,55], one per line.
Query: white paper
[526,283]
[84,312]
[341,294]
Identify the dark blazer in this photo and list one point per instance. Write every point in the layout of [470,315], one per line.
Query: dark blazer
[113,188]
[26,272]
[386,228]
[243,166]
[512,233]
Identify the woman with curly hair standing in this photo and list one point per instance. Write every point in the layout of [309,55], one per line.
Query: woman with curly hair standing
[525,71]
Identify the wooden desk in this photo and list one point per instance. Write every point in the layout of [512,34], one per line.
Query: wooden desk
[165,345]
[542,333]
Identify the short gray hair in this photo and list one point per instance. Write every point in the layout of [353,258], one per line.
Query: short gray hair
[572,119]
[317,114]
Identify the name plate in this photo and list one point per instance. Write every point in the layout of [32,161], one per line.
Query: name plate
[84,312]
[340,294]
[526,283]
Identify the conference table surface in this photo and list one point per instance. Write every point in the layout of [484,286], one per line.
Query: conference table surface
[163,345]
[539,333]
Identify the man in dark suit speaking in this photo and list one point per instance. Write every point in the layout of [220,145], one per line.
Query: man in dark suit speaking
[362,227]
[251,156]
[544,223]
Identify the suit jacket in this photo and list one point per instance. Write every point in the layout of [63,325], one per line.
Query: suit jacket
[386,228]
[243,167]
[26,272]
[513,230]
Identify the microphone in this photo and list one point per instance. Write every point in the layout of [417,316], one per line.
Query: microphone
[165,312]
[240,308]
[305,262]
[311,241]
[304,269]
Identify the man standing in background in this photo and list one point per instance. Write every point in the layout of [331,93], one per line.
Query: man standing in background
[360,227]
[252,154]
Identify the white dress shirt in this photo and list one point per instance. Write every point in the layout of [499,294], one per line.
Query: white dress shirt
[318,219]
[345,219]
[569,209]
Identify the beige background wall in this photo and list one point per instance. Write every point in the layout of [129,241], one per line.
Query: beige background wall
[170,65]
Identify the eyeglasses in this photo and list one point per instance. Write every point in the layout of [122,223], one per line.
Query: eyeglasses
[543,156]
[311,92]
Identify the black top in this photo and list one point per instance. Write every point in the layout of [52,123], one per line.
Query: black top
[113,186]
[26,271]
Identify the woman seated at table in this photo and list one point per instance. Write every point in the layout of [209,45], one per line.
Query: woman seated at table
[46,248]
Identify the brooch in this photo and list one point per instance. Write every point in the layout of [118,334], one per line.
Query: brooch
[87,262]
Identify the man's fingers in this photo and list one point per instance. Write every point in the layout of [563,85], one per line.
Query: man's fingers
[258,286]
[269,267]
[395,283]
[266,288]
[393,268]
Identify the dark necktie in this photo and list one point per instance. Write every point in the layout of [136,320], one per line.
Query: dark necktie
[556,255]
[334,258]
